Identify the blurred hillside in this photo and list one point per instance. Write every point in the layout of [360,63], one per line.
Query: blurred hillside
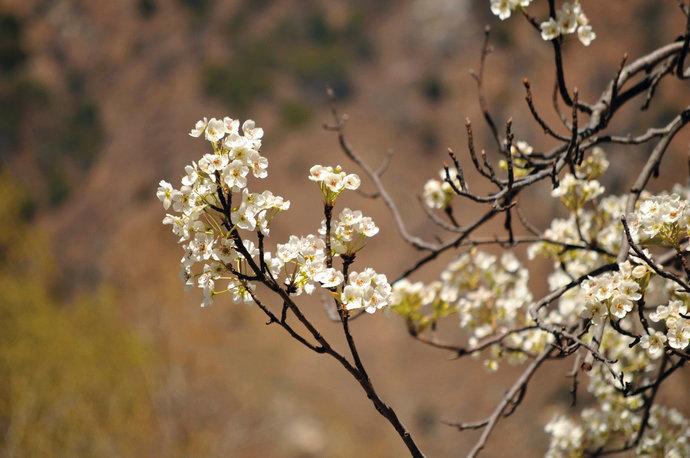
[96,99]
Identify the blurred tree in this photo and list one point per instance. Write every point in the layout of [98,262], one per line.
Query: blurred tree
[62,148]
[73,383]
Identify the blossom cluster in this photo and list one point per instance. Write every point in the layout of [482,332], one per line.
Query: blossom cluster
[422,305]
[213,204]
[614,293]
[489,295]
[569,19]
[198,207]
[349,232]
[677,322]
[616,419]
[333,181]
[574,193]
[303,262]
[504,8]
[575,190]
[520,151]
[366,290]
[662,220]
[438,194]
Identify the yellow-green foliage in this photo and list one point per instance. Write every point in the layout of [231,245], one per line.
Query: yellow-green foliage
[71,379]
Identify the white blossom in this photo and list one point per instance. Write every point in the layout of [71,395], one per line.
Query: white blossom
[653,343]
[333,181]
[570,18]
[367,290]
[215,130]
[165,193]
[199,128]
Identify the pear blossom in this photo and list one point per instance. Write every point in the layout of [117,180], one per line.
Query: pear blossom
[215,130]
[349,231]
[165,193]
[504,8]
[549,29]
[586,34]
[662,220]
[653,343]
[438,194]
[679,336]
[574,193]
[333,181]
[199,128]
[367,290]
[252,132]
[211,163]
[570,18]
[329,278]
[231,126]
[235,175]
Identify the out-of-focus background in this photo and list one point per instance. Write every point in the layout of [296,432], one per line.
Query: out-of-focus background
[101,351]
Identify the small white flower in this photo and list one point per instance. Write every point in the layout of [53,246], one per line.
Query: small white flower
[244,218]
[250,130]
[435,195]
[318,172]
[586,35]
[191,176]
[351,297]
[567,19]
[199,128]
[679,335]
[232,126]
[215,130]
[653,343]
[550,30]
[352,181]
[259,164]
[502,8]
[235,175]
[165,193]
[329,278]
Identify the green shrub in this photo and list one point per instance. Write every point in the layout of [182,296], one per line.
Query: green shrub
[294,114]
[238,86]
